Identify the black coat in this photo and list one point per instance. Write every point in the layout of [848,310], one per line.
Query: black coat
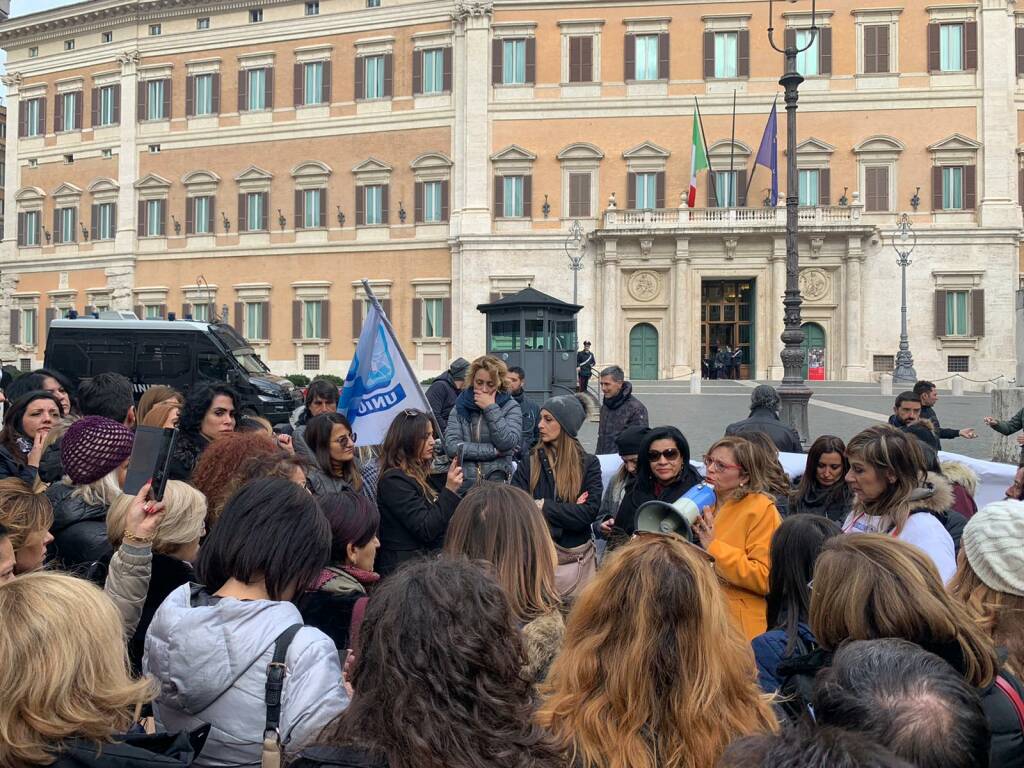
[51,470]
[134,750]
[442,394]
[411,525]
[835,506]
[15,467]
[79,529]
[570,523]
[637,496]
[943,433]
[339,757]
[169,573]
[617,414]
[764,420]
[531,422]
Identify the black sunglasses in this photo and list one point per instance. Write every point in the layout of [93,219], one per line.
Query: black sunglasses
[669,453]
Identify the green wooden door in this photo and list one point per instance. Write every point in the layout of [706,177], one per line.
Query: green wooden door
[643,352]
[814,347]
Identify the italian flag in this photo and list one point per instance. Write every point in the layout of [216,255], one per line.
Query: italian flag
[698,160]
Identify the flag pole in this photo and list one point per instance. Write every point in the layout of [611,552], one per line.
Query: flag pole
[707,154]
[753,170]
[732,144]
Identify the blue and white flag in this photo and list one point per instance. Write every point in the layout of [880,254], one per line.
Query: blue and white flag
[380,383]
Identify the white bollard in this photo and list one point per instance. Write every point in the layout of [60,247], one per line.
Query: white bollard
[695,383]
[958,386]
[885,380]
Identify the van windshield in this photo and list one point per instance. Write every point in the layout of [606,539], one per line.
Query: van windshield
[250,362]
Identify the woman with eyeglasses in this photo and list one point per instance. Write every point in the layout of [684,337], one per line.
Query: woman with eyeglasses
[415,506]
[738,529]
[336,468]
[663,473]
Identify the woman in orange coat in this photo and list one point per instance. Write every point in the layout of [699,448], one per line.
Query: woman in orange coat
[738,530]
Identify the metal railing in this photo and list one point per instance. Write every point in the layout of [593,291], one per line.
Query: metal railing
[739,218]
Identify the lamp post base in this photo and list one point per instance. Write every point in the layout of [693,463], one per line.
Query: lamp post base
[793,409]
[904,373]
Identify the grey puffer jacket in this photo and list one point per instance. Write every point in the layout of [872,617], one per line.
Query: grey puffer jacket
[491,438]
[210,656]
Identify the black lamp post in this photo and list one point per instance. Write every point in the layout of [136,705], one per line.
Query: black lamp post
[574,251]
[793,391]
[904,240]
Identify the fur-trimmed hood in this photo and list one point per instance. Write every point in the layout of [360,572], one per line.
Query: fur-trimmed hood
[960,474]
[934,495]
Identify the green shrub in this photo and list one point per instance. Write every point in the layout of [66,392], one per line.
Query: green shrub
[298,379]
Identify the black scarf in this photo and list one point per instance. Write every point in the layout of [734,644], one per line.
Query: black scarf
[616,401]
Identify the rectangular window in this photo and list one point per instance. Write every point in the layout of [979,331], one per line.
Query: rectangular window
[313,83]
[373,201]
[32,228]
[373,77]
[513,62]
[433,318]
[373,3]
[876,48]
[256,89]
[254,320]
[67,108]
[107,153]
[646,190]
[579,195]
[28,327]
[956,313]
[581,59]
[646,67]
[255,15]
[106,105]
[203,96]
[69,159]
[433,70]
[105,222]
[513,196]
[201,312]
[726,54]
[154,149]
[883,363]
[201,215]
[33,52]
[69,45]
[958,364]
[255,216]
[313,320]
[313,8]
[951,47]
[876,183]
[725,188]
[154,218]
[807,61]
[152,312]
[66,222]
[311,362]
[107,37]
[33,123]
[311,208]
[952,188]
[155,100]
[809,187]
[154,30]
[203,22]
[432,202]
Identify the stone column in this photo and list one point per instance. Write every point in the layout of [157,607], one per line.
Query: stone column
[128,155]
[997,178]
[776,289]
[853,297]
[611,320]
[12,169]
[121,281]
[681,302]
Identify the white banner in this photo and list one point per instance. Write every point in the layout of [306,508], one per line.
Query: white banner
[380,383]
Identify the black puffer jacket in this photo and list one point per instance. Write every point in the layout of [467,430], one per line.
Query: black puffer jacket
[765,420]
[442,394]
[570,523]
[51,470]
[79,529]
[134,750]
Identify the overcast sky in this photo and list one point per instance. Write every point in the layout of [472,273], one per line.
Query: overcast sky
[23,8]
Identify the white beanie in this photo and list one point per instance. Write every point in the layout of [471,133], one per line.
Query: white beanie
[993,542]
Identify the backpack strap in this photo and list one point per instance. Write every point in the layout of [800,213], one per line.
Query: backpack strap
[1007,688]
[276,672]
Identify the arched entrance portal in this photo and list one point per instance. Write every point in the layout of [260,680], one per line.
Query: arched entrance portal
[643,352]
[814,351]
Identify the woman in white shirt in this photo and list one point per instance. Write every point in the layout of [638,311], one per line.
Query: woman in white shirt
[888,480]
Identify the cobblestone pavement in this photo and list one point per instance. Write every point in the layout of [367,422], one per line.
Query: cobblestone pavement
[838,408]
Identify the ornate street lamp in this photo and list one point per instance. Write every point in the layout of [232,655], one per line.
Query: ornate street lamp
[793,391]
[904,240]
[574,250]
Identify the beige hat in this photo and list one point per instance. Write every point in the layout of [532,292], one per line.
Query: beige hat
[993,542]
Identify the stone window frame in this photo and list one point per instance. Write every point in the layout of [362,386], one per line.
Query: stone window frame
[29,200]
[313,290]
[22,301]
[581,28]
[968,280]
[97,296]
[152,186]
[68,195]
[431,288]
[956,150]
[871,17]
[381,289]
[61,301]
[580,157]
[875,151]
[251,293]
[814,155]
[149,295]
[515,30]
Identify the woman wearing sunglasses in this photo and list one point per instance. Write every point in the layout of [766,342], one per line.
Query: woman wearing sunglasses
[336,468]
[663,473]
[738,529]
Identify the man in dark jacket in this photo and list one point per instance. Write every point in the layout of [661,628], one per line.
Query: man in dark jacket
[444,390]
[619,409]
[584,366]
[531,411]
[929,395]
[764,417]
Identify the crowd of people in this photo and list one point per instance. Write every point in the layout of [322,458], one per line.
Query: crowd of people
[473,593]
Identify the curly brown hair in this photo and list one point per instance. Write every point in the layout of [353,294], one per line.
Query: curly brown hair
[438,680]
[218,471]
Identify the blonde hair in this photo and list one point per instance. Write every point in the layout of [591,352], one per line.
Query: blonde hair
[1000,615]
[182,523]
[99,493]
[661,679]
[501,525]
[65,670]
[23,512]
[872,585]
[889,451]
[755,463]
[493,366]
[565,457]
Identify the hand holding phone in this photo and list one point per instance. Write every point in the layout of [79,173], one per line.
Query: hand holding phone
[144,515]
[150,460]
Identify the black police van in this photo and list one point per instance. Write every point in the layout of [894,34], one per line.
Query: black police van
[177,353]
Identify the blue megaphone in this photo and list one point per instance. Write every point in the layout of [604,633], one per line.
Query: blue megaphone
[678,517]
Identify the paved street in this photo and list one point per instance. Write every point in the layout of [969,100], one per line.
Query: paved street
[837,408]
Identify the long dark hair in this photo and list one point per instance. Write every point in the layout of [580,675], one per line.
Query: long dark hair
[795,547]
[438,680]
[198,402]
[13,417]
[353,520]
[401,448]
[645,478]
[809,481]
[318,438]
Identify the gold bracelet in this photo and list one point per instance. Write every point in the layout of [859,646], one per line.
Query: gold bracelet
[128,536]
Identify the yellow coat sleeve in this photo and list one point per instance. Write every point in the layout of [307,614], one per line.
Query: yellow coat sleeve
[742,541]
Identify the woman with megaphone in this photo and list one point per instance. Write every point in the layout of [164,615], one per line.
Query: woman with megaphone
[738,529]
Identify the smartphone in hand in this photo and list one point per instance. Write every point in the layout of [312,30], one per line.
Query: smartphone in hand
[150,460]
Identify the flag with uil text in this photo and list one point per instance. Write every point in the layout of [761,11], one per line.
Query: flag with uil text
[380,382]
